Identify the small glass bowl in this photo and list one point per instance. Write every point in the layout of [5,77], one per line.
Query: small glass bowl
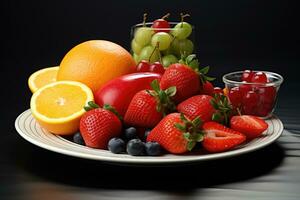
[142,48]
[253,98]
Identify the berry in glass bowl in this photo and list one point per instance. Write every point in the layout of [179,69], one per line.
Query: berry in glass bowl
[253,92]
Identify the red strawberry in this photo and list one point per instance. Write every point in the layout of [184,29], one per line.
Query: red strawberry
[249,125]
[98,126]
[184,78]
[219,138]
[207,88]
[176,134]
[197,106]
[147,107]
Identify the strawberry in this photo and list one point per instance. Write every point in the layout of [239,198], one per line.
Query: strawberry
[207,88]
[249,125]
[197,106]
[99,125]
[176,134]
[186,76]
[187,81]
[148,107]
[219,138]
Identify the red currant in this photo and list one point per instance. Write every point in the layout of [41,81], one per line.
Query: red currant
[245,88]
[259,77]
[247,75]
[250,102]
[143,66]
[157,67]
[267,94]
[235,96]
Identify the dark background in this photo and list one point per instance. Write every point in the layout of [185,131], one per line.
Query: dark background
[230,35]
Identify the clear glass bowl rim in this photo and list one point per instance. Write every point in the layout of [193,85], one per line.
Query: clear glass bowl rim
[277,82]
[148,24]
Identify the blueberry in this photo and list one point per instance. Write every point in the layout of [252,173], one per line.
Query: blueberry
[135,147]
[116,145]
[146,134]
[153,148]
[77,138]
[130,133]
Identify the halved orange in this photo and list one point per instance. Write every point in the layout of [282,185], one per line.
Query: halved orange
[58,106]
[42,77]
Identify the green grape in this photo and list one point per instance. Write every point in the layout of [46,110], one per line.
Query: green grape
[136,58]
[182,30]
[168,51]
[136,48]
[143,35]
[168,60]
[175,45]
[146,53]
[183,47]
[164,40]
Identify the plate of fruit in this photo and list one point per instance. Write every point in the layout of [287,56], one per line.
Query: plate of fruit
[105,103]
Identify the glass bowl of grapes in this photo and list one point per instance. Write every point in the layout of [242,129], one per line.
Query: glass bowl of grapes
[161,42]
[253,92]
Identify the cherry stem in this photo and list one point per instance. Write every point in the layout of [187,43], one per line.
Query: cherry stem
[166,16]
[144,19]
[155,48]
[183,16]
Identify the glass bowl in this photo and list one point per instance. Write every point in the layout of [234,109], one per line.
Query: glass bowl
[253,98]
[167,48]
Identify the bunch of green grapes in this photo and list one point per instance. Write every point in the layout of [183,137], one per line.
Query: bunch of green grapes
[161,42]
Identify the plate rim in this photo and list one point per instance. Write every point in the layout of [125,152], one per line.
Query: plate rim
[146,159]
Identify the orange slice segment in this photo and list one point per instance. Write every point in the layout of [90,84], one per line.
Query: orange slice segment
[58,106]
[42,77]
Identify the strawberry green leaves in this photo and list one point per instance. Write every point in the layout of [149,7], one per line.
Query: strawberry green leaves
[92,105]
[194,63]
[163,97]
[223,109]
[190,130]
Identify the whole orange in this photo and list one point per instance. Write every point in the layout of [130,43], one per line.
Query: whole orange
[95,62]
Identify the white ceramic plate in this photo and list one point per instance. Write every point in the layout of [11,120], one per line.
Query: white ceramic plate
[30,130]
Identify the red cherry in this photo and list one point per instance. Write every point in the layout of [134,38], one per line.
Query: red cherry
[157,67]
[218,90]
[247,75]
[235,96]
[259,77]
[161,25]
[143,66]
[264,111]
[207,88]
[267,94]
[244,88]
[250,102]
